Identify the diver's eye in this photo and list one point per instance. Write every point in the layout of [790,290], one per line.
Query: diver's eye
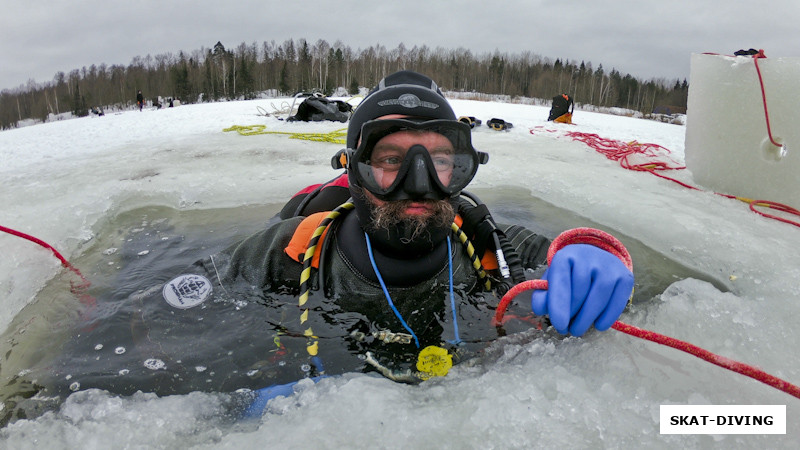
[443,163]
[389,162]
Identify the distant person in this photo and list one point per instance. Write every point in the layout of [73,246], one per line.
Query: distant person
[140,100]
[562,108]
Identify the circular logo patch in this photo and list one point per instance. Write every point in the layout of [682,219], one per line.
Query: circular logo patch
[187,291]
[409,101]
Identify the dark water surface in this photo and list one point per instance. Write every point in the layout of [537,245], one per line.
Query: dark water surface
[157,243]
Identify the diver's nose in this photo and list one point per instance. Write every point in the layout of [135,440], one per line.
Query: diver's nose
[418,182]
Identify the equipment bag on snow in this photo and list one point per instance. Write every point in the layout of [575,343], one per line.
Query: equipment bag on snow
[318,108]
[562,108]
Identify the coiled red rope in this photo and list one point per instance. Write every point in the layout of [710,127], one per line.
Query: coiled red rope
[611,244]
[626,153]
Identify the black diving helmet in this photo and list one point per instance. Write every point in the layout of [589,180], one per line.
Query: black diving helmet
[392,170]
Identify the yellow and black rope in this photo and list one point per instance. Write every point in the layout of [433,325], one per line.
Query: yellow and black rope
[305,275]
[474,257]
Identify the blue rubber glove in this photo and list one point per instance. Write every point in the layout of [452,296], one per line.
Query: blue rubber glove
[586,286]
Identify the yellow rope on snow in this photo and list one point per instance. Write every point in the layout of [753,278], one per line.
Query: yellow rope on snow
[334,137]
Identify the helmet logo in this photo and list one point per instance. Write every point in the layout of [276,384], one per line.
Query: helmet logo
[408,101]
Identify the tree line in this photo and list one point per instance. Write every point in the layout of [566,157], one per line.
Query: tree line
[217,73]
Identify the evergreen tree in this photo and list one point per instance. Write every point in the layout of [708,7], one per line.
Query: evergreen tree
[245,83]
[79,108]
[353,87]
[304,61]
[283,81]
[180,81]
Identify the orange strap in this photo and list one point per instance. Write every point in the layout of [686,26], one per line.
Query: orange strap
[489,260]
[299,243]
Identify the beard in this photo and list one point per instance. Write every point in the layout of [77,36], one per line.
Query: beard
[391,215]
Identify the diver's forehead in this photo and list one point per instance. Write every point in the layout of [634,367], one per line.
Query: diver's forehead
[407,138]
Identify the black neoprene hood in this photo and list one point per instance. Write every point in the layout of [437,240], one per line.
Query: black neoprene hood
[405,92]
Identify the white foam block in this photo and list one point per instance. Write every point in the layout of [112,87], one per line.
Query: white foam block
[728,149]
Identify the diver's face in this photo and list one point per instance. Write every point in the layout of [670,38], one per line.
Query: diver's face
[389,153]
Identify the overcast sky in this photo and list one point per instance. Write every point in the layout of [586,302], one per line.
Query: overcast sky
[648,39]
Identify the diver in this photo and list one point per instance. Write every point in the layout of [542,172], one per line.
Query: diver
[392,267]
[408,160]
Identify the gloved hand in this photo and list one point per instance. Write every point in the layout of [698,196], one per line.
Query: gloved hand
[586,286]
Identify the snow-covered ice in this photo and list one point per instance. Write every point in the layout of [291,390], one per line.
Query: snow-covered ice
[63,181]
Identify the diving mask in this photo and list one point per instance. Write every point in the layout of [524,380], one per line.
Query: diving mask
[399,159]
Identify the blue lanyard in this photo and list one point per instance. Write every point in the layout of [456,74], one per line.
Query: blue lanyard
[397,314]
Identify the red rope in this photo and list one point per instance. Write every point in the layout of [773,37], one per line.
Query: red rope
[590,236]
[78,289]
[611,244]
[778,206]
[756,57]
[529,285]
[713,358]
[625,153]
[727,363]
